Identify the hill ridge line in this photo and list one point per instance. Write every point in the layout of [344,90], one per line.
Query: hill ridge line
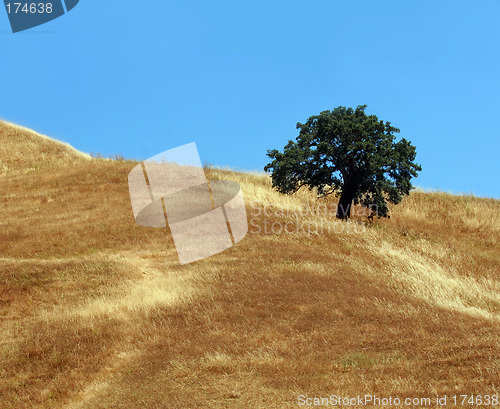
[34,133]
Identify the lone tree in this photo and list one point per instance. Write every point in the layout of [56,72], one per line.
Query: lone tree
[351,154]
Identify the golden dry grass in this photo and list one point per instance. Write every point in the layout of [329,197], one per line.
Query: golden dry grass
[24,150]
[96,312]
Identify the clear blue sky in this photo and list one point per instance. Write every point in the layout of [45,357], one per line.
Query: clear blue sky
[137,78]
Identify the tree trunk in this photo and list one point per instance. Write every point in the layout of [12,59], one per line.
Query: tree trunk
[345,203]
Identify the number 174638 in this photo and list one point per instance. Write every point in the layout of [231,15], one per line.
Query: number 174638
[31,8]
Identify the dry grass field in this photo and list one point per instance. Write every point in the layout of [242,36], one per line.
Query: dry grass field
[97,312]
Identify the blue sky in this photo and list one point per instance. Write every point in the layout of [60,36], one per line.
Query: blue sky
[137,78]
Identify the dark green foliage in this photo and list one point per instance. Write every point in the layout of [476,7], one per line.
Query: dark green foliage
[351,154]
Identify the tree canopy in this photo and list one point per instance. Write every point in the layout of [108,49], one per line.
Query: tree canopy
[350,154]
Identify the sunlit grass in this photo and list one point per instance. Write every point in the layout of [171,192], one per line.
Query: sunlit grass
[97,312]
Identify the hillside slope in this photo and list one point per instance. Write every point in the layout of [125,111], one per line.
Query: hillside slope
[97,312]
[24,150]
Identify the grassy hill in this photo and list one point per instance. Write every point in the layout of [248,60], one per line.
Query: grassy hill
[23,150]
[97,312]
